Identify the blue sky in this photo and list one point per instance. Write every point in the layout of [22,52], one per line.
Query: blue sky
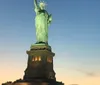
[74,34]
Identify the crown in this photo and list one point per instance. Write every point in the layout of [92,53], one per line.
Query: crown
[42,3]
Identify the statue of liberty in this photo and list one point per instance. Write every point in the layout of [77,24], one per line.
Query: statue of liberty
[42,21]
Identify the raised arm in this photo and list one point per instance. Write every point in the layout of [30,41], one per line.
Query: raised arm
[35,4]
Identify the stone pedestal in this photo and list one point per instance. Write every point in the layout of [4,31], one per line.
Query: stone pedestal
[40,63]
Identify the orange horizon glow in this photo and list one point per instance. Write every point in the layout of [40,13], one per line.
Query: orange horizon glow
[11,74]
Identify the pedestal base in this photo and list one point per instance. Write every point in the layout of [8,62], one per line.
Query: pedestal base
[35,83]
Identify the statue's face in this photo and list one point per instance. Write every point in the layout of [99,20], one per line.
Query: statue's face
[42,5]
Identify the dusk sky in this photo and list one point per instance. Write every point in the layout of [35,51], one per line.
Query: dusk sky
[74,36]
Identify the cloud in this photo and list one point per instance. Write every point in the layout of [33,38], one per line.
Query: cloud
[91,74]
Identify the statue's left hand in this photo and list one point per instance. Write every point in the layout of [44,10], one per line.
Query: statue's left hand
[50,17]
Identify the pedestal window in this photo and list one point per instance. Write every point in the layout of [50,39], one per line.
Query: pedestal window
[33,59]
[49,59]
[37,58]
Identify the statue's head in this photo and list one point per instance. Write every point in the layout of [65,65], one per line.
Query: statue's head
[42,5]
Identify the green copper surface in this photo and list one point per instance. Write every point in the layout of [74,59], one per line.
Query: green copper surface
[42,21]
